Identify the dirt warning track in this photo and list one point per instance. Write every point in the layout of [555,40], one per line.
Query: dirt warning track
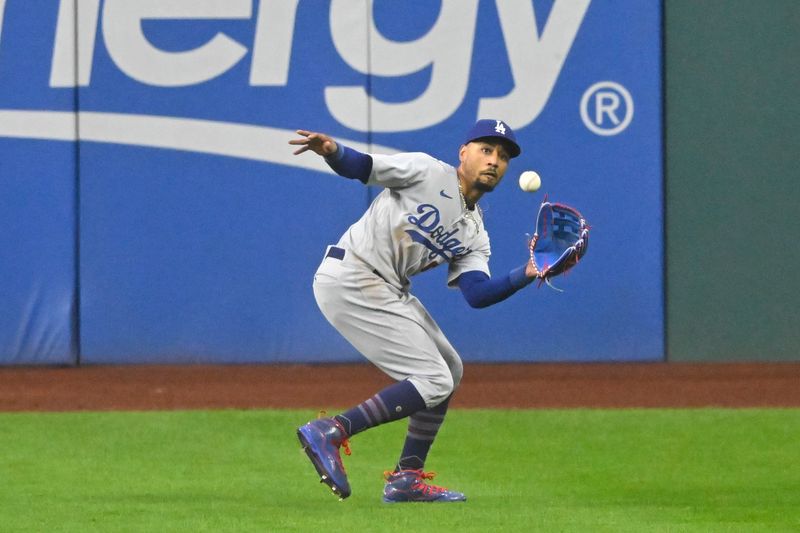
[533,385]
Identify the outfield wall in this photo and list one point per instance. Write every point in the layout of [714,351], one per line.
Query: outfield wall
[152,212]
[189,233]
[733,137]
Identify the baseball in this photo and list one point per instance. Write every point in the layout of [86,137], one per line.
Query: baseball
[529,181]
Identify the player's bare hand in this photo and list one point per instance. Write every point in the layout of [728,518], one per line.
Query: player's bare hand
[319,143]
[531,270]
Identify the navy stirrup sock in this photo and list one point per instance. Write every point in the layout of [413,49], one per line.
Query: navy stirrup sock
[422,429]
[392,403]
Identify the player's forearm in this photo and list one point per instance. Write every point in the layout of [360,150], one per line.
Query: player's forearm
[482,291]
[350,163]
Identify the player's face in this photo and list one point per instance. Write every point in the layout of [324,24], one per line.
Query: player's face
[483,164]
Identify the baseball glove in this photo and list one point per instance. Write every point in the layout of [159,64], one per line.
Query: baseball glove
[560,241]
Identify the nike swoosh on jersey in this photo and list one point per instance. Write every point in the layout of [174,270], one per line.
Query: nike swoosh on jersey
[445,194]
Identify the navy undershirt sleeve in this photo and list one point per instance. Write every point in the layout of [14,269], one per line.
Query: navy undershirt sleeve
[482,291]
[350,163]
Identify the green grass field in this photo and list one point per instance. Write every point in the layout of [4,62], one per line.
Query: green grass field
[537,470]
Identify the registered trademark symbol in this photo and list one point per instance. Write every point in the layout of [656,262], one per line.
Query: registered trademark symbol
[606,108]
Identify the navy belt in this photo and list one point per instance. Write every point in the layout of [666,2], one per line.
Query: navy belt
[338,253]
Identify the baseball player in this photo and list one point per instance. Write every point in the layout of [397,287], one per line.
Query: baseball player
[427,215]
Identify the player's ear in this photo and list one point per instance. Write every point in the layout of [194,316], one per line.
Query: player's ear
[462,152]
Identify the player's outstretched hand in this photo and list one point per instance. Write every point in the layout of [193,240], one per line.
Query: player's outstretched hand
[319,143]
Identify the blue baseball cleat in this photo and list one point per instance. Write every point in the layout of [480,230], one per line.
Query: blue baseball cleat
[321,440]
[410,486]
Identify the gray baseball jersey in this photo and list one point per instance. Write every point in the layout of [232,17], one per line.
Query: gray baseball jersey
[419,221]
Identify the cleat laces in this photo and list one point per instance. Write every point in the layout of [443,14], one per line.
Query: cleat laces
[345,442]
[428,490]
[419,483]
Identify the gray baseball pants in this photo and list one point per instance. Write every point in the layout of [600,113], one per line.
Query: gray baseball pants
[390,327]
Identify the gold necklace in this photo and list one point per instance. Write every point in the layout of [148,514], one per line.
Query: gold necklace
[467,212]
[461,194]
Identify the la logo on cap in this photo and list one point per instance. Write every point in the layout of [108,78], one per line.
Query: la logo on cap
[500,128]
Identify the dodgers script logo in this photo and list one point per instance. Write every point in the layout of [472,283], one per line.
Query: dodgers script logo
[433,236]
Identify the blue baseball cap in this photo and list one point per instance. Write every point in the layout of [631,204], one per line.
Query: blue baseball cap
[497,129]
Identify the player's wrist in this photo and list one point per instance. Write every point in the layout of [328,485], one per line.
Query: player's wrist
[519,277]
[337,154]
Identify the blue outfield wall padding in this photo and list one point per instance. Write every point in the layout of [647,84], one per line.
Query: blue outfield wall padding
[212,264]
[37,196]
[200,232]
[37,253]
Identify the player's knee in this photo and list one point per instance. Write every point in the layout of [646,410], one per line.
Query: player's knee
[442,387]
[457,371]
